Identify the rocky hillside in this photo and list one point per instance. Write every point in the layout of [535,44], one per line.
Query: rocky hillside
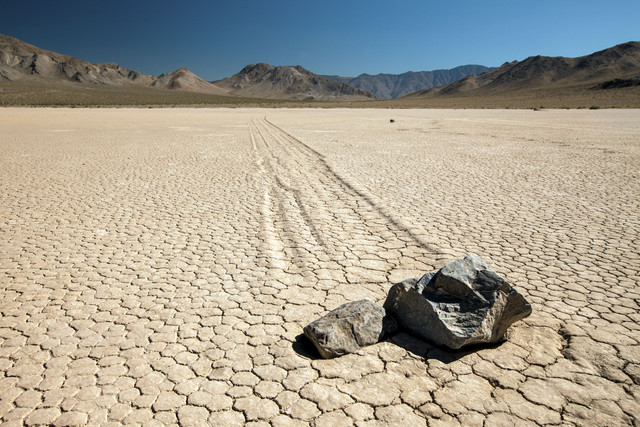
[183,79]
[388,86]
[616,67]
[288,82]
[20,60]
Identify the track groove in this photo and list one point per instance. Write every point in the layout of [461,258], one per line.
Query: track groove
[312,212]
[362,193]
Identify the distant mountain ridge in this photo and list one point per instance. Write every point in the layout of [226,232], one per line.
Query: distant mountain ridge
[615,67]
[389,86]
[288,82]
[611,75]
[20,60]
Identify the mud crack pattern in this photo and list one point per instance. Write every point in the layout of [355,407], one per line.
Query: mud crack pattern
[157,266]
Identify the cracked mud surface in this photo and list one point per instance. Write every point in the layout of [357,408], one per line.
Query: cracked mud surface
[157,266]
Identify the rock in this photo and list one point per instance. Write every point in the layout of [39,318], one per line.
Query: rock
[464,303]
[347,328]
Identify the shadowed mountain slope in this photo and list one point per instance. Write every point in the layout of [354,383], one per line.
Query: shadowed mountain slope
[614,67]
[289,82]
[20,60]
[388,86]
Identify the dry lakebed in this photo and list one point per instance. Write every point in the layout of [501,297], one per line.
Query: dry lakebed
[157,266]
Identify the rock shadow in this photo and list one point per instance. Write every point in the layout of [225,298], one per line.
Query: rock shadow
[305,348]
[428,351]
[446,355]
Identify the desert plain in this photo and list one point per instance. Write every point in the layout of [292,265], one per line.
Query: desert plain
[157,266]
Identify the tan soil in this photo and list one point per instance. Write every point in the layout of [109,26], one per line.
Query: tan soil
[159,265]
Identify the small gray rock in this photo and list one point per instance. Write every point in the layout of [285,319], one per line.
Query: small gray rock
[464,303]
[347,328]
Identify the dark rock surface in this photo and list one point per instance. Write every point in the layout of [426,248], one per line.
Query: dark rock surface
[347,328]
[464,303]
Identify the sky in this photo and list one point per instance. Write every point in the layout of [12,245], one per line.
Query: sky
[216,39]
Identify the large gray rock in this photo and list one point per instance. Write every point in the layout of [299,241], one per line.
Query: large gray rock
[347,328]
[464,303]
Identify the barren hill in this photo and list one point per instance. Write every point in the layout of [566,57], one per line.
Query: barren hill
[288,82]
[615,67]
[388,86]
[183,79]
[22,61]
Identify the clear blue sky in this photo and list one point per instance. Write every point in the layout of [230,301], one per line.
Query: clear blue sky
[216,39]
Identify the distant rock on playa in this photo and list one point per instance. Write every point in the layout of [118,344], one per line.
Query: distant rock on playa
[464,303]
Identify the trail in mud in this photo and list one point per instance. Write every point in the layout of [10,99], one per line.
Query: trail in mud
[312,217]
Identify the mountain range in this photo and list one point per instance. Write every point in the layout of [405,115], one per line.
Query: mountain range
[33,76]
[388,86]
[20,60]
[288,82]
[612,68]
